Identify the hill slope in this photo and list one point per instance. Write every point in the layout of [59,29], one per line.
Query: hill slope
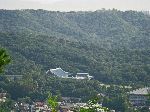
[111,45]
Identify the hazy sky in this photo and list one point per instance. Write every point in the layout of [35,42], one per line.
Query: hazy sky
[67,5]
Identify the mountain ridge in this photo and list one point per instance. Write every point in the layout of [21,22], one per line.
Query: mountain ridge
[111,45]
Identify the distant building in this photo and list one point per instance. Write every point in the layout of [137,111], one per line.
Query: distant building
[139,97]
[62,74]
[14,77]
[3,97]
[59,72]
[71,99]
[66,108]
[83,76]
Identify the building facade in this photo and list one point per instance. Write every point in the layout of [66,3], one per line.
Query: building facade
[139,97]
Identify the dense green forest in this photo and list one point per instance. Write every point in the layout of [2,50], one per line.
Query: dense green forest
[111,45]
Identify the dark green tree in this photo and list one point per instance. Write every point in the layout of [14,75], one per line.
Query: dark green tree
[6,106]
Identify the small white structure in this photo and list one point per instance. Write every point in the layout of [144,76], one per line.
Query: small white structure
[59,72]
[2,97]
[83,76]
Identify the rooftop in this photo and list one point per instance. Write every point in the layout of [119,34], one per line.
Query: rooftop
[141,91]
[59,72]
[82,73]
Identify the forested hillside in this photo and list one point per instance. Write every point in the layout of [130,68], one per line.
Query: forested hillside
[111,45]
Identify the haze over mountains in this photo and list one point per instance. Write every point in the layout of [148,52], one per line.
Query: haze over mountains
[78,5]
[109,44]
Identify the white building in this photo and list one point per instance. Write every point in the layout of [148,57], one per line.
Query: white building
[62,74]
[139,97]
[83,76]
[59,72]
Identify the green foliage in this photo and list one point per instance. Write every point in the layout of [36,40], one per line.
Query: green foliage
[6,106]
[4,59]
[148,100]
[111,45]
[52,103]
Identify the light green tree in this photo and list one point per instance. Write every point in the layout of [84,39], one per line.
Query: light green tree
[4,59]
[52,103]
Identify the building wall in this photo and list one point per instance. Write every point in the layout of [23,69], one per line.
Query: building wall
[137,100]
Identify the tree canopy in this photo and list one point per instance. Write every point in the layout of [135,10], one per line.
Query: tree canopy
[4,59]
